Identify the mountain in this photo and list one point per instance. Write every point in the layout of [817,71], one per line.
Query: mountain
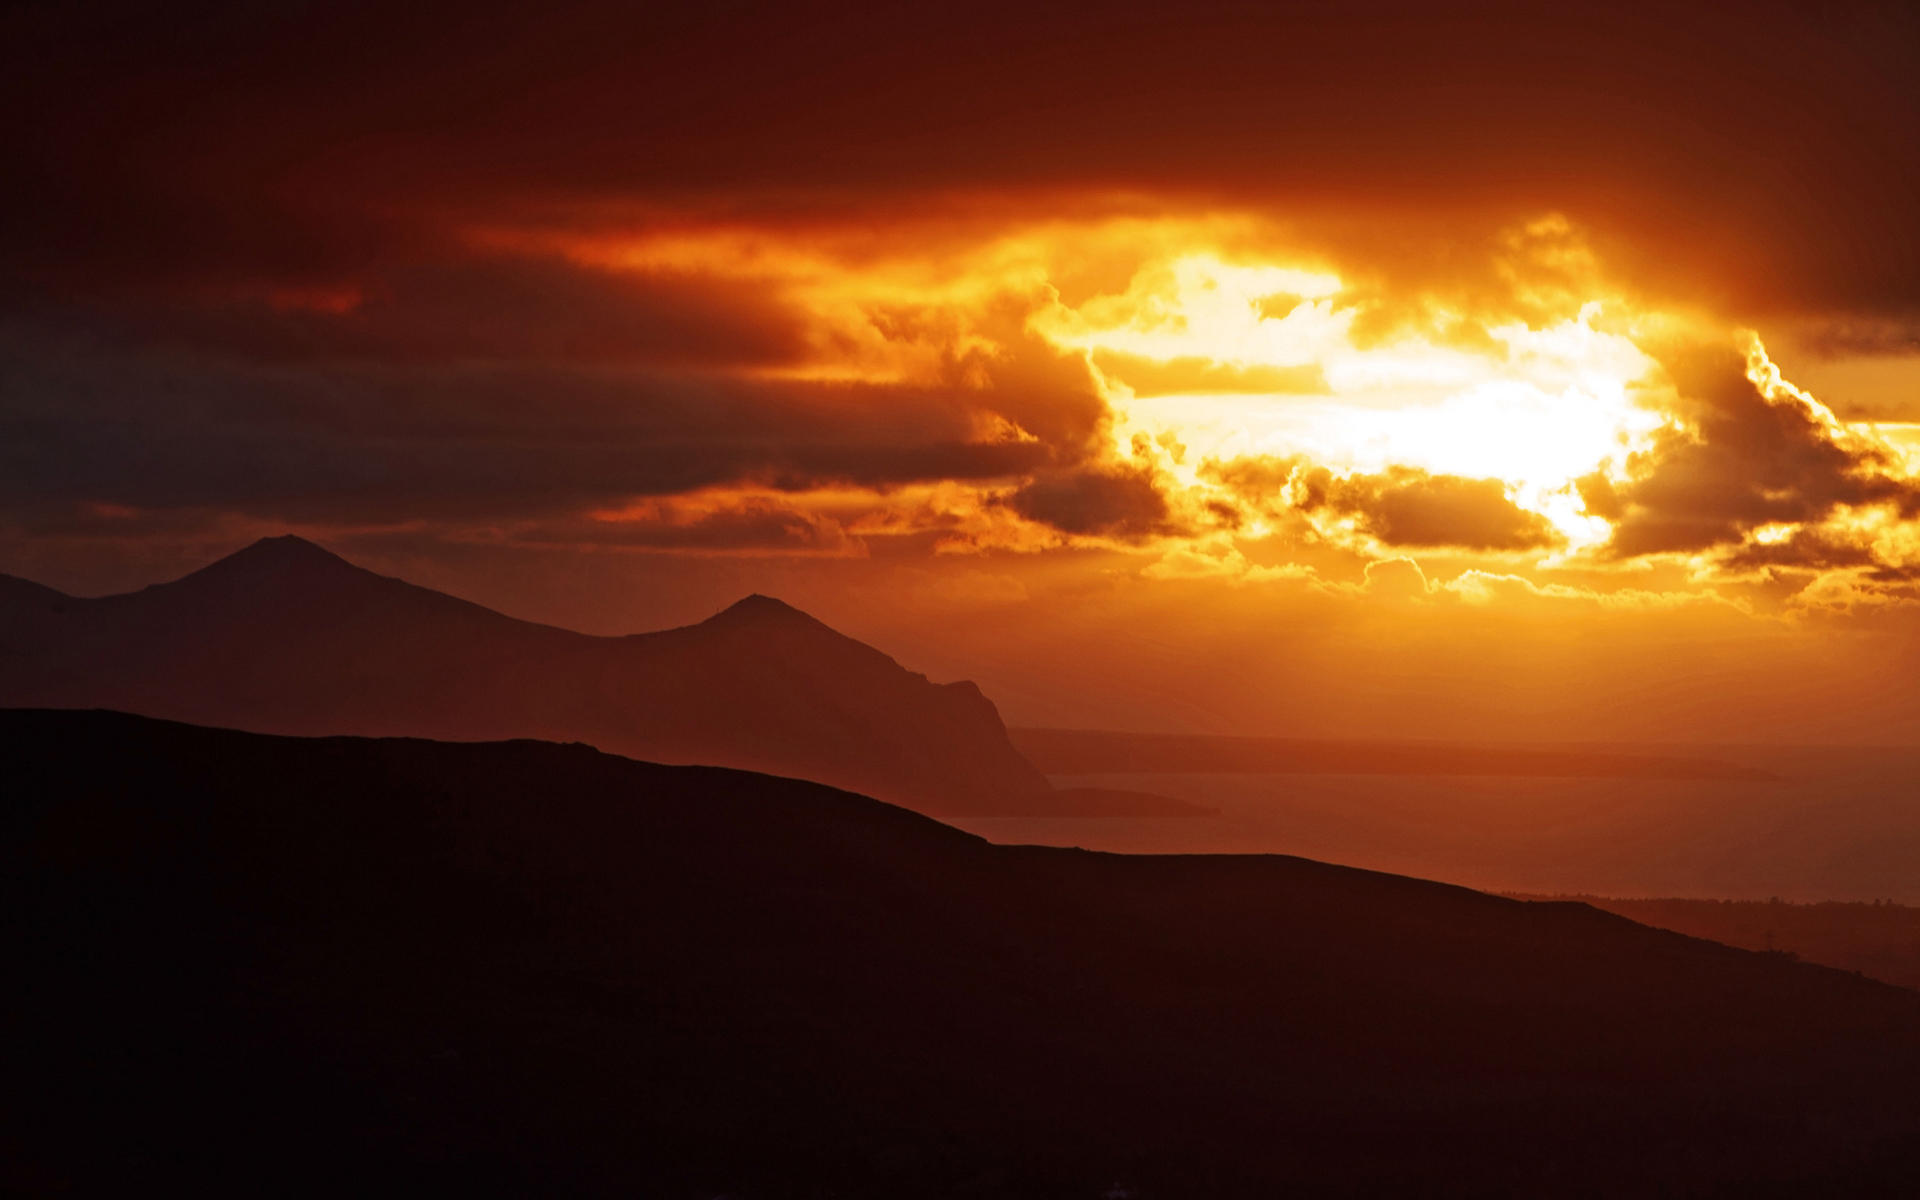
[284,637]
[1102,752]
[250,965]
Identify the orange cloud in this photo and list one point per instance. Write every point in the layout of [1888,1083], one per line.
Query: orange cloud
[1752,470]
[1194,375]
[1398,507]
[722,523]
[1118,501]
[1404,506]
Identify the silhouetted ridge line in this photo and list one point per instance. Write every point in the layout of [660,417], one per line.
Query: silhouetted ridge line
[25,592]
[287,637]
[518,968]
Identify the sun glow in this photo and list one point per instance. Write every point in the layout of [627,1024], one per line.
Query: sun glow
[1534,408]
[1209,379]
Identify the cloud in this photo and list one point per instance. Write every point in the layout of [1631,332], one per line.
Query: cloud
[481,308]
[289,141]
[378,438]
[1120,501]
[378,267]
[1401,506]
[1404,506]
[1396,579]
[1483,587]
[715,523]
[1806,549]
[1217,558]
[1745,454]
[430,303]
[1147,377]
[1847,335]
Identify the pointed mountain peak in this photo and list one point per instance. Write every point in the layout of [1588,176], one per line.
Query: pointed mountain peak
[760,610]
[287,548]
[278,558]
[757,613]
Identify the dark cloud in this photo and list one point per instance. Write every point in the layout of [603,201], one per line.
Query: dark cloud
[483,308]
[1401,506]
[1804,550]
[453,440]
[1738,462]
[1848,336]
[1262,480]
[443,381]
[749,524]
[314,139]
[1121,501]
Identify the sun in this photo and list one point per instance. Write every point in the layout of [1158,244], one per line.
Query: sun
[1233,360]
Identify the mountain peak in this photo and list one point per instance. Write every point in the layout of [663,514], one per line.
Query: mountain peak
[287,548]
[275,557]
[760,610]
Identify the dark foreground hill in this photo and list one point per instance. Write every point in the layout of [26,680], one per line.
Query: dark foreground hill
[284,637]
[246,965]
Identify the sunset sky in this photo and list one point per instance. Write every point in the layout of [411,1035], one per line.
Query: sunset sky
[1486,371]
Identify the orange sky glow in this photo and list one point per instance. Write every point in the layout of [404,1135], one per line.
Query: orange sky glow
[1251,415]
[1563,386]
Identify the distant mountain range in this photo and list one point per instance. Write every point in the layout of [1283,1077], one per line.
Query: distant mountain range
[248,965]
[285,637]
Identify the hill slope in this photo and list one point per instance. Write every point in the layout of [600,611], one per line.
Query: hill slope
[284,637]
[346,966]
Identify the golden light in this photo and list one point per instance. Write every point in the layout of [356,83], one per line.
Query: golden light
[1212,340]
[1536,409]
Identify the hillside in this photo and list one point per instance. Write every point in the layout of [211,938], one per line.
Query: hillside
[347,966]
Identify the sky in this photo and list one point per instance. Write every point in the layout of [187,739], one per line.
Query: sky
[1503,372]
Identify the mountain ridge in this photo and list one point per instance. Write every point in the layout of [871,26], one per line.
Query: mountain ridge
[286,637]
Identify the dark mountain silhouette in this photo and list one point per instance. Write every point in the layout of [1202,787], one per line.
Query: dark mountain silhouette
[246,965]
[285,637]
[1104,752]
